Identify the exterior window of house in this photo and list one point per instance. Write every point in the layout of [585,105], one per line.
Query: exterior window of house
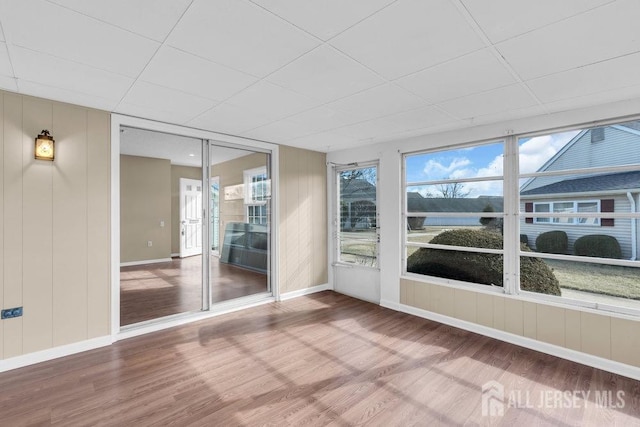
[256,195]
[567,207]
[454,210]
[597,134]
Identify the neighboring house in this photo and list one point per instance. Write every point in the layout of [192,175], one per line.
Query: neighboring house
[604,192]
[357,204]
[417,203]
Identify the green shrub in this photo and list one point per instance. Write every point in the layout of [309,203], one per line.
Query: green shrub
[487,220]
[524,239]
[552,242]
[598,245]
[486,269]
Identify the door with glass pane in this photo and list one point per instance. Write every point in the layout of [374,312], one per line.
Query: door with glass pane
[357,232]
[215,216]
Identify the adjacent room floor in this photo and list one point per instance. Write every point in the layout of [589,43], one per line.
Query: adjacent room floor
[152,291]
[315,360]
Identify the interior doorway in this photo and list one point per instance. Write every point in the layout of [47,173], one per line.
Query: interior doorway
[190,217]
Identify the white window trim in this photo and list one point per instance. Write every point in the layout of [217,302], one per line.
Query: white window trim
[572,219]
[248,175]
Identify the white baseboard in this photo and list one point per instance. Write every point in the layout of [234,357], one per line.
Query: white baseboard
[176,255]
[554,350]
[306,291]
[146,261]
[54,353]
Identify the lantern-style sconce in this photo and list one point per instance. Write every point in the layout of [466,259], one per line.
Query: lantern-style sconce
[44,146]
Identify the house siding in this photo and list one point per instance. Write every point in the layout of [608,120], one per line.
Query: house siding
[620,147]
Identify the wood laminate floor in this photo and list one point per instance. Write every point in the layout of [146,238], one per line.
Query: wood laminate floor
[324,359]
[157,290]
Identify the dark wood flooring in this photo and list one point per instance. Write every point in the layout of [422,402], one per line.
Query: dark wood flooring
[152,291]
[324,359]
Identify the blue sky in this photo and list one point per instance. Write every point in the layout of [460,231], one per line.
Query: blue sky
[482,161]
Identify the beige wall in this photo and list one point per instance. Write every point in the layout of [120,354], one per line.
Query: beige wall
[178,172]
[54,257]
[232,173]
[145,202]
[303,219]
[600,335]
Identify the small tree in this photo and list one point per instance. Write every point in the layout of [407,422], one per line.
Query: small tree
[454,190]
[487,220]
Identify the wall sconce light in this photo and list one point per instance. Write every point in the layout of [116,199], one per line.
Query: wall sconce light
[44,146]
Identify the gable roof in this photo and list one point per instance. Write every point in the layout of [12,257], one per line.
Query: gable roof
[357,189]
[606,182]
[417,203]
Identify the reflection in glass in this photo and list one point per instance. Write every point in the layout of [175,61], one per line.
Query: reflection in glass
[358,235]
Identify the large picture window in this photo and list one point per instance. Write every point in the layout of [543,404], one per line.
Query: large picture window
[256,194]
[563,218]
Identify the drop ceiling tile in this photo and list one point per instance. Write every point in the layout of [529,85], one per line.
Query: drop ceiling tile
[504,116]
[325,75]
[66,95]
[408,36]
[240,35]
[503,19]
[67,75]
[8,83]
[322,119]
[191,74]
[476,72]
[493,101]
[323,19]
[379,101]
[417,119]
[371,129]
[597,35]
[278,132]
[599,77]
[150,18]
[324,141]
[599,98]
[272,100]
[152,113]
[183,105]
[5,62]
[228,118]
[75,37]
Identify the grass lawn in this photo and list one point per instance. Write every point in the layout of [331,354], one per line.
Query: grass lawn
[597,278]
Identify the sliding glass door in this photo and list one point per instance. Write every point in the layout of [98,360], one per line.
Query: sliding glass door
[193,233]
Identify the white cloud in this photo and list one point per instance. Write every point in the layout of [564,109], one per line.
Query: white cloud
[435,169]
[538,150]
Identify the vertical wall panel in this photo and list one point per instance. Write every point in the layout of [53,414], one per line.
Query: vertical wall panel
[572,329]
[550,324]
[513,316]
[38,229]
[465,305]
[1,218]
[98,230]
[12,222]
[70,225]
[485,309]
[305,224]
[595,334]
[318,169]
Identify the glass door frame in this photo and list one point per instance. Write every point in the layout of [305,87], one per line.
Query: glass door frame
[210,140]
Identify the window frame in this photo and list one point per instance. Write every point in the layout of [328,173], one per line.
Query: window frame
[512,179]
[249,199]
[571,220]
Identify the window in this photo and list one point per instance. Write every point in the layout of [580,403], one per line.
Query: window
[565,208]
[257,193]
[454,209]
[597,134]
[563,218]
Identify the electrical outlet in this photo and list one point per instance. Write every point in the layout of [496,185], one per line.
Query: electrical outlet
[149,243]
[8,313]
[161,223]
